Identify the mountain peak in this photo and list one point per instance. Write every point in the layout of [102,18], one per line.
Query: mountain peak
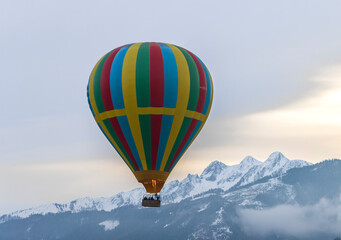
[214,169]
[276,157]
[215,166]
[248,160]
[216,163]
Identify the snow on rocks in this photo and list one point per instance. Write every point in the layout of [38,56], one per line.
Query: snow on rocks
[216,176]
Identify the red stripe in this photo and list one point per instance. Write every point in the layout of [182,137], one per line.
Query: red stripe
[105,81]
[184,141]
[200,107]
[156,122]
[203,84]
[108,105]
[156,76]
[117,128]
[157,84]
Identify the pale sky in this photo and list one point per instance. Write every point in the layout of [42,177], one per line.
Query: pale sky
[276,69]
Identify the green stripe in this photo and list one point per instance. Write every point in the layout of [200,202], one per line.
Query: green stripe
[183,130]
[100,106]
[143,96]
[194,81]
[117,140]
[143,76]
[97,85]
[145,130]
[192,103]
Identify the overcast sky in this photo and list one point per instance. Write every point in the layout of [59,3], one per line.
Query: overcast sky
[276,69]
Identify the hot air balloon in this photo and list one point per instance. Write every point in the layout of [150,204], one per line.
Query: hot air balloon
[150,100]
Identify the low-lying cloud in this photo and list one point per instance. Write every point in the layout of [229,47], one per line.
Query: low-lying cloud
[294,220]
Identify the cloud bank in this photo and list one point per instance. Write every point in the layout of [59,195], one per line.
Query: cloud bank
[294,220]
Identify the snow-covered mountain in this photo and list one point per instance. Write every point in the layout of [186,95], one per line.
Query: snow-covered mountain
[276,164]
[276,199]
[216,176]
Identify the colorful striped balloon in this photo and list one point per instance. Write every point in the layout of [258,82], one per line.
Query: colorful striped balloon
[150,100]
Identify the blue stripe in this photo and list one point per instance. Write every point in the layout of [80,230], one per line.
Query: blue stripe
[208,93]
[114,147]
[166,126]
[171,77]
[92,111]
[196,129]
[124,124]
[116,78]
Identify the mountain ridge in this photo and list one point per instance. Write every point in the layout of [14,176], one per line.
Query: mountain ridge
[216,175]
[307,197]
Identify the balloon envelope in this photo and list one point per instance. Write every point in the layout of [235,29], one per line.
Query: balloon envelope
[150,100]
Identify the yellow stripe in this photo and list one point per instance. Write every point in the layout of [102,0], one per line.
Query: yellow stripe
[99,121]
[149,110]
[203,121]
[112,114]
[130,101]
[195,115]
[181,102]
[156,111]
